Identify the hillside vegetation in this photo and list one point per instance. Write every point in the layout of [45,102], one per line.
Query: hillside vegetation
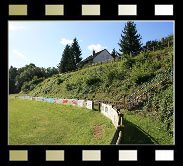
[107,81]
[114,80]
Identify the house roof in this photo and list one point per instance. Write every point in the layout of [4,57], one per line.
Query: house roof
[91,57]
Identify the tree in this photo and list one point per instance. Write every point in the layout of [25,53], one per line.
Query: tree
[12,75]
[26,74]
[76,51]
[67,62]
[114,53]
[130,41]
[51,71]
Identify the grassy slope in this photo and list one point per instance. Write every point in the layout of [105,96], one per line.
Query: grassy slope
[112,81]
[109,81]
[32,122]
[143,130]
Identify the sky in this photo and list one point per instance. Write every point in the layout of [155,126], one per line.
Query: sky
[43,42]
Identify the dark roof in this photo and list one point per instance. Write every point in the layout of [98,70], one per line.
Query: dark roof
[91,57]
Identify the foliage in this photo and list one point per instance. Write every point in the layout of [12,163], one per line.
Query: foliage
[108,81]
[76,51]
[70,58]
[114,53]
[12,75]
[67,62]
[29,86]
[158,45]
[130,41]
[114,80]
[140,76]
[160,106]
[26,74]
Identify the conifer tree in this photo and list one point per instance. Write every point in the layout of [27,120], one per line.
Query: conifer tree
[67,62]
[130,41]
[76,51]
[114,53]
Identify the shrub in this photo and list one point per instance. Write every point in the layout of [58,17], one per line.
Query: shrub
[59,81]
[166,106]
[140,77]
[93,80]
[128,62]
[70,86]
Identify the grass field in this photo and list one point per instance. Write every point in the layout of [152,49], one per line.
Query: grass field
[143,130]
[40,123]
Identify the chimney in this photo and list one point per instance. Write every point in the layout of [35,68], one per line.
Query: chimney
[93,53]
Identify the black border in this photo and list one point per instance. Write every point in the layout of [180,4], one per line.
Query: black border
[73,153]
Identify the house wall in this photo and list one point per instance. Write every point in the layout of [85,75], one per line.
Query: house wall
[103,56]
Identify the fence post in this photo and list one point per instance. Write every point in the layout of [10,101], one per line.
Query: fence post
[99,107]
[120,128]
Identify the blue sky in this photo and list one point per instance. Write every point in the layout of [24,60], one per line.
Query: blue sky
[43,42]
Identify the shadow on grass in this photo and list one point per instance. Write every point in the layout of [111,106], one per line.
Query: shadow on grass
[132,134]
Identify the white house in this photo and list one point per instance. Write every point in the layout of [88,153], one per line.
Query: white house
[100,56]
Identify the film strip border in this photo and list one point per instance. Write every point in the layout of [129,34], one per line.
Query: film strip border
[90,10]
[90,155]
[56,155]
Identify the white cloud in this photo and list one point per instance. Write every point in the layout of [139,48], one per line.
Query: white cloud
[66,41]
[20,55]
[14,27]
[96,47]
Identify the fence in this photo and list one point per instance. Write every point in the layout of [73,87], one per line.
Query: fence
[75,102]
[117,119]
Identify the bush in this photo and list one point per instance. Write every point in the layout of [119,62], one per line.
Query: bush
[166,106]
[59,81]
[160,106]
[92,80]
[140,77]
[128,61]
[70,86]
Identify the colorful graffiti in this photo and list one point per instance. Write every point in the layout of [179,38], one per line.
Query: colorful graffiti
[75,102]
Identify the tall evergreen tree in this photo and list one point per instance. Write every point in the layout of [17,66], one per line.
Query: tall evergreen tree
[130,41]
[67,62]
[76,51]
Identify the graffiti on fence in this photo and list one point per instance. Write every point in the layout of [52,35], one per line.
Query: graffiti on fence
[81,103]
[75,102]
[65,101]
[59,101]
[89,104]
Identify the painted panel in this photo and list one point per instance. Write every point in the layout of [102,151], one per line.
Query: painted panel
[89,104]
[65,101]
[81,103]
[74,102]
[59,101]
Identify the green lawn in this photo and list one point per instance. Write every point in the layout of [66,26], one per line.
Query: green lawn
[143,130]
[41,123]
